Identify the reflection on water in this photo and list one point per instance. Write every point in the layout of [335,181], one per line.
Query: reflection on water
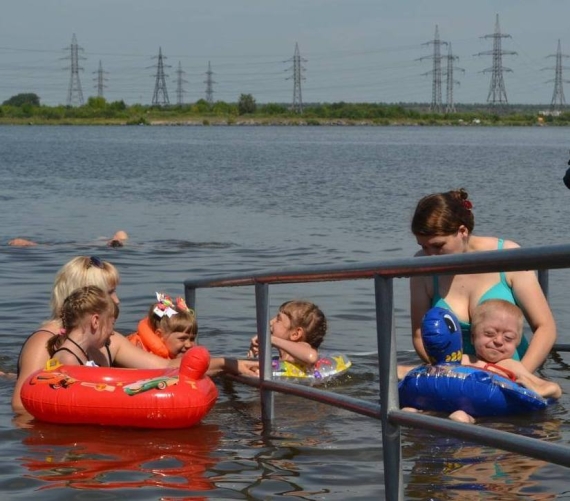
[84,457]
[448,468]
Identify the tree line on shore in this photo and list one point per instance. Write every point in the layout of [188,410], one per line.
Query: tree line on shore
[26,108]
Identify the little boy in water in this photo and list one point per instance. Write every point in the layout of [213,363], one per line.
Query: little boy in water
[496,331]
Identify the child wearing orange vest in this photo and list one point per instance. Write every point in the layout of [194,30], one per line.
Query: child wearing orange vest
[169,329]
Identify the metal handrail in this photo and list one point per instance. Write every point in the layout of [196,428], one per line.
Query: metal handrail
[536,258]
[384,272]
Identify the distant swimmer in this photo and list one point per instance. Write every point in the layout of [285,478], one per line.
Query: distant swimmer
[119,239]
[22,242]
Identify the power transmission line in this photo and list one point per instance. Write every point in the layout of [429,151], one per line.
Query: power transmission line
[74,92]
[298,69]
[497,92]
[558,100]
[100,79]
[160,94]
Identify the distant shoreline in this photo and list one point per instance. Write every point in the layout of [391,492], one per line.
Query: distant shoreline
[25,109]
[271,122]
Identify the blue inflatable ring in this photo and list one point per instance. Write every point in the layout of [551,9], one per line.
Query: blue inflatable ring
[480,393]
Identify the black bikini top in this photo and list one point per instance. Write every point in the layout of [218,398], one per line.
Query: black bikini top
[81,361]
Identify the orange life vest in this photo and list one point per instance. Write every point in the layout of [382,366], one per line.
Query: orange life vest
[148,340]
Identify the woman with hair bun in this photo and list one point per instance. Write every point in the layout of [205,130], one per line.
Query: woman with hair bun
[443,223]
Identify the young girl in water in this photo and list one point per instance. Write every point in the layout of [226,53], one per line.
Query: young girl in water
[87,317]
[169,330]
[297,331]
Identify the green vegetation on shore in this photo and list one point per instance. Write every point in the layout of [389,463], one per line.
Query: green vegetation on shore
[26,109]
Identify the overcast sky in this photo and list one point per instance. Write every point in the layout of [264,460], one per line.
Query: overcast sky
[355,50]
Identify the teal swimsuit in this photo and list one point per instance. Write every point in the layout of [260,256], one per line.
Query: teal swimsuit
[500,290]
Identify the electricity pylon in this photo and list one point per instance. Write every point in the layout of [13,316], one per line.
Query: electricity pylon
[297,77]
[160,95]
[180,85]
[497,92]
[436,102]
[558,100]
[100,79]
[74,92]
[450,81]
[209,85]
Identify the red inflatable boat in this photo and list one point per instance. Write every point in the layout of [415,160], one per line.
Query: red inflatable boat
[138,398]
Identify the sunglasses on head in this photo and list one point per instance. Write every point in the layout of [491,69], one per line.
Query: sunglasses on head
[95,261]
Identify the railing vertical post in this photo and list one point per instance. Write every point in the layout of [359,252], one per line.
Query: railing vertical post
[543,281]
[265,369]
[387,363]
[190,295]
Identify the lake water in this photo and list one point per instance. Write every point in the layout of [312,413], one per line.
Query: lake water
[205,201]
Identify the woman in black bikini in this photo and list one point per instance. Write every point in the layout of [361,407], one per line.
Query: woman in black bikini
[87,317]
[78,272]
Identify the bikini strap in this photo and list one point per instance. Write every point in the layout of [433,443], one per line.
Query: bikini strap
[502,274]
[69,351]
[24,343]
[44,330]
[109,353]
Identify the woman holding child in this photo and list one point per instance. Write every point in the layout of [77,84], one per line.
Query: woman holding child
[443,223]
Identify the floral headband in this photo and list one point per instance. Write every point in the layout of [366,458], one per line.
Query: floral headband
[165,306]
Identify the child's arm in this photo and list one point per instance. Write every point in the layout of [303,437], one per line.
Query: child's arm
[546,389]
[233,366]
[299,350]
[253,348]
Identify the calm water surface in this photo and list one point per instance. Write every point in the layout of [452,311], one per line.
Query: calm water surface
[205,201]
